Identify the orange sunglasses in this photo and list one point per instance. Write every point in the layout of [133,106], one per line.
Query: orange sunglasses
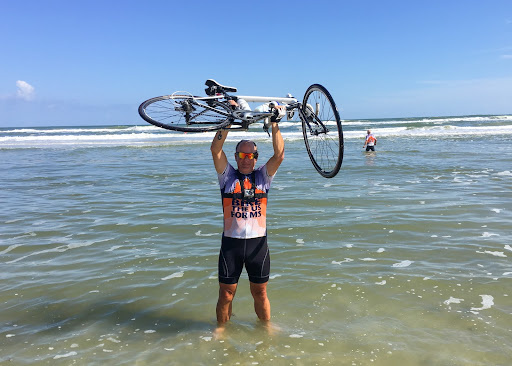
[251,156]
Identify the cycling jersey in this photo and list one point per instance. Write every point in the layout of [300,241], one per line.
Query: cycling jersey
[370,140]
[244,202]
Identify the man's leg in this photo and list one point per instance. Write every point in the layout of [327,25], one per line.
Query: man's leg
[225,302]
[261,303]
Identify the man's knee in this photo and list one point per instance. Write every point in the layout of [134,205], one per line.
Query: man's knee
[226,294]
[259,292]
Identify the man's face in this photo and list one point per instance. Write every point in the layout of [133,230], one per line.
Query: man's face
[245,165]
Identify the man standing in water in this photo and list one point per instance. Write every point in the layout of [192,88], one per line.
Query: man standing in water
[244,240]
[370,141]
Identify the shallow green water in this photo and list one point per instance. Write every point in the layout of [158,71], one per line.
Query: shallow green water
[108,256]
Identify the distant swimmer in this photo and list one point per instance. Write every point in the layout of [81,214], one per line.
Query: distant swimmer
[244,240]
[370,141]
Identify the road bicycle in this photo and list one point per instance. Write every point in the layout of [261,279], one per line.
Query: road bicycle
[321,123]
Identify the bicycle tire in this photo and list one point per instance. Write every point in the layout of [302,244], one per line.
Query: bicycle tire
[323,135]
[167,112]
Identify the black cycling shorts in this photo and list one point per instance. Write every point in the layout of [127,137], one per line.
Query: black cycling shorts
[234,253]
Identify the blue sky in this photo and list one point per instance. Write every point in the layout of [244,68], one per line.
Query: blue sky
[93,62]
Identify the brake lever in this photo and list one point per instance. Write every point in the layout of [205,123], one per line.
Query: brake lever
[265,126]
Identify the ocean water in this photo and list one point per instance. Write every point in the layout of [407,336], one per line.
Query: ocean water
[109,238]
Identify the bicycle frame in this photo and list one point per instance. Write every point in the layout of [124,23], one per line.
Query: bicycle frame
[248,117]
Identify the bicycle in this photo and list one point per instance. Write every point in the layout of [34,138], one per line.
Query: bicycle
[321,123]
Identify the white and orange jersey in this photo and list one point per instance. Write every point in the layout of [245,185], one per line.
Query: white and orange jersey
[370,140]
[245,204]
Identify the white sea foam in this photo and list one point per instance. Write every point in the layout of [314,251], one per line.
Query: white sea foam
[487,302]
[60,249]
[114,248]
[198,233]
[435,131]
[429,121]
[9,248]
[13,221]
[147,134]
[488,235]
[346,260]
[453,300]
[73,353]
[56,130]
[402,264]
[496,253]
[508,247]
[505,173]
[174,275]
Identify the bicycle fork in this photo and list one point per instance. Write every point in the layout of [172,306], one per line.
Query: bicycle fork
[315,124]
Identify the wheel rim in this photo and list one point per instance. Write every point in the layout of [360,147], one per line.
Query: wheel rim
[173,111]
[325,149]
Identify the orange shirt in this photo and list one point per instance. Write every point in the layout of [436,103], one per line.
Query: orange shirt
[244,219]
[370,140]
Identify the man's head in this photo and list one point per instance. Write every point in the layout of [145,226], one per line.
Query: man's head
[369,132]
[246,155]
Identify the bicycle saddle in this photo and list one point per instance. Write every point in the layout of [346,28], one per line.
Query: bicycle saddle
[214,87]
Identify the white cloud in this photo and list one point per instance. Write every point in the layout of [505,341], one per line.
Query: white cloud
[25,90]
[506,56]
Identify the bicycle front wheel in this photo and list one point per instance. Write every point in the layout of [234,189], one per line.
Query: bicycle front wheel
[184,113]
[323,134]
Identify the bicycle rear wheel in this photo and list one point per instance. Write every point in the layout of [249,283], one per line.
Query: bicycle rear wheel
[184,113]
[323,134]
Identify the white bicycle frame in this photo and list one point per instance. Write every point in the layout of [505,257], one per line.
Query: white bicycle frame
[267,99]
[247,116]
[259,99]
[251,99]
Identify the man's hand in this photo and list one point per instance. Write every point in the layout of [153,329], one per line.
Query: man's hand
[279,113]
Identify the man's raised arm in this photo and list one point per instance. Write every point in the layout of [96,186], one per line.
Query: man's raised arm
[220,161]
[277,141]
